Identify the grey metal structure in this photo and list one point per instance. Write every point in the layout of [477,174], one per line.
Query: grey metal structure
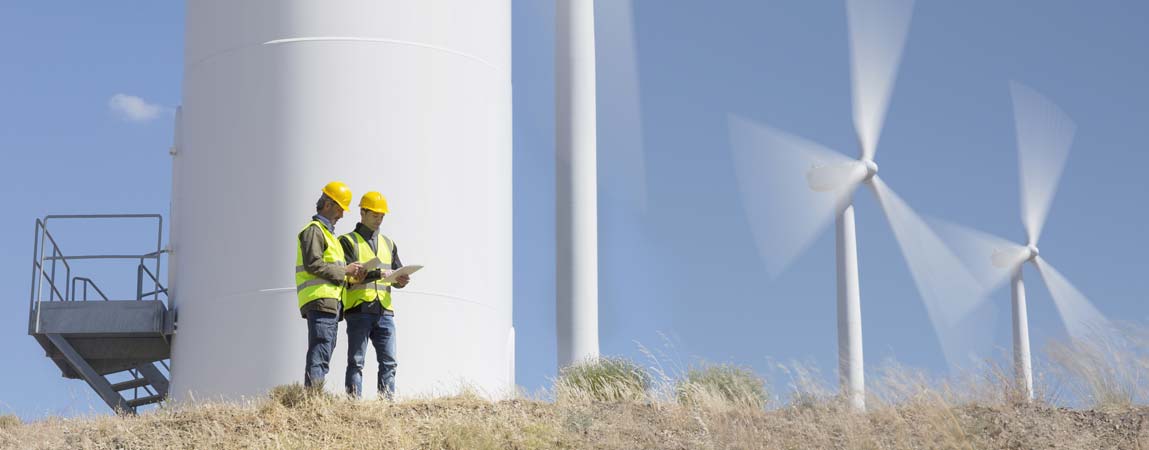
[120,347]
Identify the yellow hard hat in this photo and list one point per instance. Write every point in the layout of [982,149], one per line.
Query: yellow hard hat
[374,201]
[340,193]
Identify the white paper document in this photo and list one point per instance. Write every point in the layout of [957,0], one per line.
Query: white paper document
[373,264]
[405,270]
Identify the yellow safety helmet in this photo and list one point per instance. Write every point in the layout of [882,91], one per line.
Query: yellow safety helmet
[374,201]
[340,193]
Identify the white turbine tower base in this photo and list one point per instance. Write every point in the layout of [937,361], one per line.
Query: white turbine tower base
[576,190]
[281,97]
[1023,368]
[850,366]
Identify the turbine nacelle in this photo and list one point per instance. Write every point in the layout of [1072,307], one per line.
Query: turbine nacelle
[1014,257]
[832,177]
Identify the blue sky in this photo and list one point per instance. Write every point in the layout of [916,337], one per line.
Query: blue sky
[685,273]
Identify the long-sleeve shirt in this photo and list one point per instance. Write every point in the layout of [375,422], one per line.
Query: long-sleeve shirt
[313,244]
[351,251]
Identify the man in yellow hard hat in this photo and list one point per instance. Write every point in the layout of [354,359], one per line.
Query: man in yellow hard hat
[367,301]
[321,273]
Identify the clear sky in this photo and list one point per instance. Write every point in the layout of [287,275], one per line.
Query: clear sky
[86,91]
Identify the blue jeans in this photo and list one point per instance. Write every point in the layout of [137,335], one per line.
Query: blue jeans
[322,331]
[380,329]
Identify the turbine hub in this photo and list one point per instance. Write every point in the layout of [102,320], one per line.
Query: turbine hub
[1033,253]
[871,169]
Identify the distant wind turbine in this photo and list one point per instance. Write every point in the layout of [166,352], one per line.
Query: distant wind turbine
[1044,136]
[792,188]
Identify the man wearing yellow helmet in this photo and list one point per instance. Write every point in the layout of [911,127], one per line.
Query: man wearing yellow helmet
[321,272]
[367,301]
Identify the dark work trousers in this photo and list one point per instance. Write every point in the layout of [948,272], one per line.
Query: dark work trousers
[380,330]
[322,331]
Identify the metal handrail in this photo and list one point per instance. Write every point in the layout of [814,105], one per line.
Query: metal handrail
[54,291]
[43,238]
[87,282]
[78,257]
[159,287]
[135,376]
[45,260]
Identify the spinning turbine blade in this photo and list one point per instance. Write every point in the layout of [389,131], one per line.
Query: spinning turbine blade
[619,103]
[1082,320]
[1044,135]
[990,259]
[772,168]
[878,31]
[949,291]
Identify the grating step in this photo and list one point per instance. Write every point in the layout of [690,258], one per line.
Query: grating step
[145,400]
[130,384]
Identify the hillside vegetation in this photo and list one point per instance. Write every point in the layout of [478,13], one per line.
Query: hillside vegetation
[618,404]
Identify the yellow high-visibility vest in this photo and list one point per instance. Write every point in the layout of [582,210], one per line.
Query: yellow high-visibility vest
[358,294]
[309,287]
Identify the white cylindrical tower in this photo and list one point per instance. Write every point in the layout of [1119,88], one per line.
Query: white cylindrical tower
[408,98]
[1023,365]
[851,368]
[576,183]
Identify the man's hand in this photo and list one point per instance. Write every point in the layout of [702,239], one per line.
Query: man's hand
[356,271]
[402,281]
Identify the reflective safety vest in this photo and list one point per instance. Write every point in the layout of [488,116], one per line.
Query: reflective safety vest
[357,294]
[309,287]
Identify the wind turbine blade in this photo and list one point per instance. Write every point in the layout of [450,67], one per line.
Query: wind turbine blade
[990,259]
[878,31]
[1083,321]
[1044,135]
[785,214]
[950,293]
[619,97]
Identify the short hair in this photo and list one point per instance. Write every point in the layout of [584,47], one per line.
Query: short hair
[323,200]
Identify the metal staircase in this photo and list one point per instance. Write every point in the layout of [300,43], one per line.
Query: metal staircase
[120,347]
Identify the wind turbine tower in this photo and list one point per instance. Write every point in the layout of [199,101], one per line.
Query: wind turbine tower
[576,189]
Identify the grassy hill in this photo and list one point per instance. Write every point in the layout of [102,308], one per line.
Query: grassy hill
[469,422]
[616,404]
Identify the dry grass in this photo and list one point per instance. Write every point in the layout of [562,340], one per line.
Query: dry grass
[602,380]
[469,422]
[1108,371]
[722,386]
[616,404]
[9,421]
